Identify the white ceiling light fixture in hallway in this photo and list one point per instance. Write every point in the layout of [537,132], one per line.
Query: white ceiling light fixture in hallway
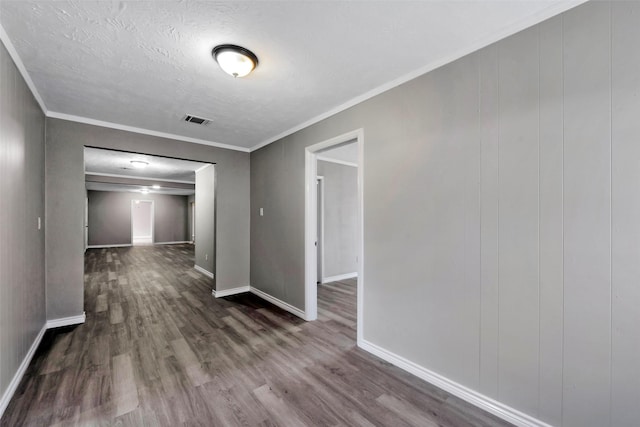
[139,164]
[143,64]
[235,60]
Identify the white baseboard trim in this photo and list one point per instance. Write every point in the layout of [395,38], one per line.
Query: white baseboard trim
[124,245]
[13,385]
[203,271]
[339,277]
[179,242]
[275,301]
[66,321]
[473,397]
[232,291]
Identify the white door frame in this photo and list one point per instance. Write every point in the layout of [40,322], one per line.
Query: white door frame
[311,225]
[86,221]
[192,206]
[153,218]
[320,180]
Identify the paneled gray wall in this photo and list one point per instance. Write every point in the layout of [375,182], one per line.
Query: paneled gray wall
[205,218]
[340,243]
[501,218]
[22,279]
[65,205]
[110,217]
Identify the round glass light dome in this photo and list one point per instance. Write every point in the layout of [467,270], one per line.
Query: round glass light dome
[235,60]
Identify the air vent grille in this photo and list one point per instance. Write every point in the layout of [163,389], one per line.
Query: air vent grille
[196,120]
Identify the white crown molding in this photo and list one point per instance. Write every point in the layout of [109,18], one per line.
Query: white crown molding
[490,405]
[15,381]
[114,175]
[227,292]
[94,122]
[534,19]
[275,301]
[13,53]
[203,271]
[67,321]
[340,162]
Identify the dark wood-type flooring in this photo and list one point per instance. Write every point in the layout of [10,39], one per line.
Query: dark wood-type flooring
[158,350]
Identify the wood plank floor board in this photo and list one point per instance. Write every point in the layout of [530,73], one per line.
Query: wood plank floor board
[284,415]
[158,350]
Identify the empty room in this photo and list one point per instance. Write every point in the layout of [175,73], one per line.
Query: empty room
[345,213]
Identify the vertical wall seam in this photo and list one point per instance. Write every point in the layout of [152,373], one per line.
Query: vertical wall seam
[499,49]
[610,214]
[562,77]
[479,63]
[539,299]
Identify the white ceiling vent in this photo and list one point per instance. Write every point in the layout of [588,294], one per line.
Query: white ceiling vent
[196,120]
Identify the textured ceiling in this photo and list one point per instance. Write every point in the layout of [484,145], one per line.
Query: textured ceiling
[98,161]
[145,64]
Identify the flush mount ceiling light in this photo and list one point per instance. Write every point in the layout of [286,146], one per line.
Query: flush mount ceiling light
[139,164]
[156,187]
[235,60]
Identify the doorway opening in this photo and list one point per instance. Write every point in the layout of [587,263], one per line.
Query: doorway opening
[135,199]
[142,222]
[318,247]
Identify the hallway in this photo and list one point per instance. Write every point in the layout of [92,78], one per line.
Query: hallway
[157,349]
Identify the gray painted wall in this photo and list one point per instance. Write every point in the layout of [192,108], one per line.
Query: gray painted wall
[340,243]
[65,205]
[110,217]
[501,218]
[205,219]
[22,262]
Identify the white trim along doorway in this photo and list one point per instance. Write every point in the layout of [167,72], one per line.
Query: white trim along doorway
[311,224]
[320,222]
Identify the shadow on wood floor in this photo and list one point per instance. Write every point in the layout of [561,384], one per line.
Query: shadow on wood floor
[158,350]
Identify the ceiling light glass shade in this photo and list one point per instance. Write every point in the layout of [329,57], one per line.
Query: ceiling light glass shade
[139,164]
[156,187]
[235,60]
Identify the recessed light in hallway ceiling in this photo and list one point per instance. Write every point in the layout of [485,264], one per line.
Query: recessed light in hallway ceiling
[139,164]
